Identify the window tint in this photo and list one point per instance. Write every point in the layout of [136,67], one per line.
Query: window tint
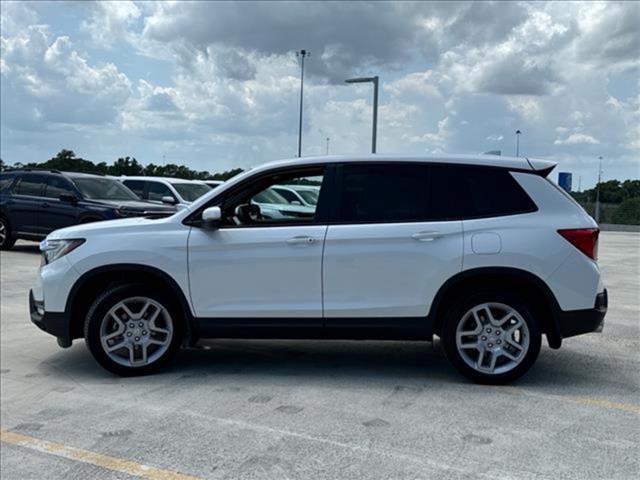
[6,179]
[29,184]
[136,186]
[158,190]
[383,193]
[190,192]
[487,192]
[387,193]
[57,186]
[289,196]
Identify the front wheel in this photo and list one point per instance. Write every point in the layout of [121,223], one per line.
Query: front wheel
[132,330]
[491,337]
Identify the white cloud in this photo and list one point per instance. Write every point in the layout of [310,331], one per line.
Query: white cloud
[577,139]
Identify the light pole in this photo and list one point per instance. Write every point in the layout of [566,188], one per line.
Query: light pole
[328,145]
[373,80]
[302,53]
[518,132]
[598,189]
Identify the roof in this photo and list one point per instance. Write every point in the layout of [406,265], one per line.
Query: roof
[513,163]
[164,179]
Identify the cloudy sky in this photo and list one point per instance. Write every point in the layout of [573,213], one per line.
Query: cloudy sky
[215,85]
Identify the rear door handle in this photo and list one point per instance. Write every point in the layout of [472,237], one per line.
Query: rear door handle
[301,239]
[426,236]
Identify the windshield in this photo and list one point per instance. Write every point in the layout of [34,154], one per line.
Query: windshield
[191,191]
[309,196]
[103,189]
[269,196]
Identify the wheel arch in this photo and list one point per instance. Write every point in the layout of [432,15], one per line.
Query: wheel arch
[525,283]
[85,289]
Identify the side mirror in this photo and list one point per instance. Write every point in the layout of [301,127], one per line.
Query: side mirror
[212,216]
[69,198]
[169,200]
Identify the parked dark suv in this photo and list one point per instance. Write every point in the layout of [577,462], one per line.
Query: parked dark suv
[34,203]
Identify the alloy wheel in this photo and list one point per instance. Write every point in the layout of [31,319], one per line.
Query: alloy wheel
[492,338]
[136,331]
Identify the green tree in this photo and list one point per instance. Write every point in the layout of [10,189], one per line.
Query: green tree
[628,213]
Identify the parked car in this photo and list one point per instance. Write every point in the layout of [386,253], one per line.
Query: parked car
[172,191]
[306,195]
[213,183]
[484,252]
[274,205]
[33,203]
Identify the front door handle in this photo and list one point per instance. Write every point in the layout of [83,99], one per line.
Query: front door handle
[426,236]
[301,239]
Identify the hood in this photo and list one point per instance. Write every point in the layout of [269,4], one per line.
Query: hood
[137,205]
[84,230]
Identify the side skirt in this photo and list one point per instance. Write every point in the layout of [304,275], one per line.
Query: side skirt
[418,328]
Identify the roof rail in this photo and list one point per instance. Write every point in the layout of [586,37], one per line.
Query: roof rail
[28,169]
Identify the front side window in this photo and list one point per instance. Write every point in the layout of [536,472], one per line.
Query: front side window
[103,189]
[57,186]
[260,204]
[191,191]
[158,190]
[30,184]
[136,186]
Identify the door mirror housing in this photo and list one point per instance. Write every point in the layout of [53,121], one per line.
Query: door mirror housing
[169,200]
[68,197]
[212,217]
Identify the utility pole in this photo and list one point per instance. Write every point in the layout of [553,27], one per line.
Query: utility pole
[598,189]
[328,145]
[374,80]
[518,132]
[302,54]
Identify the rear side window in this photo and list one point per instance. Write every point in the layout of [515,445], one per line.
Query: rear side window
[29,184]
[403,192]
[380,193]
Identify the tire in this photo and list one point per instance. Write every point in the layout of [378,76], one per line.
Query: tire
[510,349]
[141,321]
[6,239]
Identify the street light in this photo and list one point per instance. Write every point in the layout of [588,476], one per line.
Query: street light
[328,145]
[302,53]
[598,190]
[518,132]
[373,80]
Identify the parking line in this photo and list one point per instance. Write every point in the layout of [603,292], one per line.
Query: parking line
[105,461]
[591,402]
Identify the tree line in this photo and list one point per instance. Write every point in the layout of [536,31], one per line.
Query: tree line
[66,160]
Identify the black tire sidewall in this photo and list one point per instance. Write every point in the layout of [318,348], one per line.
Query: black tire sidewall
[105,302]
[464,304]
[9,241]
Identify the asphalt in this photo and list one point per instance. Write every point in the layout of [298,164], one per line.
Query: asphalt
[311,409]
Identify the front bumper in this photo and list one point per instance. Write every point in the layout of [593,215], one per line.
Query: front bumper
[577,322]
[54,323]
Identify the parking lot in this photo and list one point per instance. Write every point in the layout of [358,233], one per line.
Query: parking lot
[310,409]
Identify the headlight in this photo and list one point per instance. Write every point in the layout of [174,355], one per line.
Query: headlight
[54,249]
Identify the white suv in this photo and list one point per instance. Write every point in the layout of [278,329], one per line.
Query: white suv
[482,251]
[172,191]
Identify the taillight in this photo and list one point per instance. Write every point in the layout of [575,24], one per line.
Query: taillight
[584,239]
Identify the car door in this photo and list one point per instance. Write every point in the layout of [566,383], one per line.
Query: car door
[56,212]
[27,199]
[259,268]
[156,191]
[392,244]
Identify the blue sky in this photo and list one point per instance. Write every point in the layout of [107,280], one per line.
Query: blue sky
[215,85]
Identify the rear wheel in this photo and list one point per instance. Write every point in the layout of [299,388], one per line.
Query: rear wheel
[491,337]
[6,240]
[132,330]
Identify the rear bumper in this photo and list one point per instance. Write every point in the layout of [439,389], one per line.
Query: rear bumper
[54,323]
[577,322]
